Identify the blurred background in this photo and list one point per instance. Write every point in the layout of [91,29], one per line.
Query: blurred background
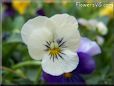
[96,21]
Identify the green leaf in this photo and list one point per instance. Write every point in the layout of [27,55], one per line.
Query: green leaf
[18,22]
[38,75]
[104,19]
[22,81]
[15,37]
[31,73]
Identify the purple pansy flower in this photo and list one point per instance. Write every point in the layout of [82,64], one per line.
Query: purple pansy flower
[86,65]
[9,11]
[86,50]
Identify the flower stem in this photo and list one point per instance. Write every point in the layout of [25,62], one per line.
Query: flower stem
[26,63]
[38,76]
[11,71]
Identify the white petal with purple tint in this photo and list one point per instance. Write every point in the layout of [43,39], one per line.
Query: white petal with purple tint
[89,47]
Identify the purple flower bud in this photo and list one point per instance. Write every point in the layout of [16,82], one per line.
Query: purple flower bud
[40,12]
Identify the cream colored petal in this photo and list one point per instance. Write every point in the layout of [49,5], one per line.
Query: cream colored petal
[33,25]
[36,53]
[59,66]
[67,28]
[52,67]
[38,39]
[35,33]
[71,61]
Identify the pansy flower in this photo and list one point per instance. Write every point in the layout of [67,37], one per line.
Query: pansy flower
[20,5]
[53,40]
[107,10]
[8,11]
[86,65]
[86,51]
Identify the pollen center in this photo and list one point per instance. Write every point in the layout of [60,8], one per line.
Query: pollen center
[55,48]
[54,52]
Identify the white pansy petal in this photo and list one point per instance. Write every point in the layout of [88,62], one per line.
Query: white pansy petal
[73,42]
[38,39]
[67,28]
[71,61]
[93,22]
[83,22]
[62,20]
[52,67]
[60,66]
[35,53]
[34,24]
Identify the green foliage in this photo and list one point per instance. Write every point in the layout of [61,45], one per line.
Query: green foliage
[18,67]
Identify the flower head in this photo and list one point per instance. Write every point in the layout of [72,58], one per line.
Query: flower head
[53,40]
[107,11]
[101,27]
[94,25]
[20,5]
[8,11]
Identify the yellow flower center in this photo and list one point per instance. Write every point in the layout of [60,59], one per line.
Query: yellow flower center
[68,75]
[55,48]
[54,52]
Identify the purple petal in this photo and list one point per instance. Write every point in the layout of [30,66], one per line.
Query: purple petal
[89,47]
[51,79]
[9,12]
[86,63]
[75,79]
